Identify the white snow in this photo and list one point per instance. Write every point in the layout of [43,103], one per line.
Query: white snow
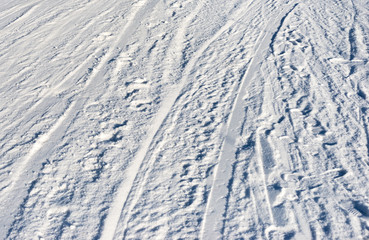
[183,119]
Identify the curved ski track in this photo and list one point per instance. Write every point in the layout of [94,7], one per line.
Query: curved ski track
[213,226]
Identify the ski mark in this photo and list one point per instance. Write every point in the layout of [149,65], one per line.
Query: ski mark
[215,211]
[161,116]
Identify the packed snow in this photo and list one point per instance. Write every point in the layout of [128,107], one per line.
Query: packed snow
[184,119]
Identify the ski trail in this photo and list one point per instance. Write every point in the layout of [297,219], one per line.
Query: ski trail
[47,141]
[213,224]
[133,169]
[162,116]
[87,84]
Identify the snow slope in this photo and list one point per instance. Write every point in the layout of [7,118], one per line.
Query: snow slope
[184,119]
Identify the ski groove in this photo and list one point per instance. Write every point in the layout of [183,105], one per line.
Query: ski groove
[214,219]
[137,164]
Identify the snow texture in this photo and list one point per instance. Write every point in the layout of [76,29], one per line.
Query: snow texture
[184,119]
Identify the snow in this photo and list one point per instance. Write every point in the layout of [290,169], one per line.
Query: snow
[182,119]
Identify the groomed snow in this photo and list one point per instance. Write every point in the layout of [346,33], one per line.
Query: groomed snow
[184,119]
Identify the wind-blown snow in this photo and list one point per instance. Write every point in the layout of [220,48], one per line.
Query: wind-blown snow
[169,119]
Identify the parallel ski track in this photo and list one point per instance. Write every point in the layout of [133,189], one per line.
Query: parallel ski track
[160,120]
[213,225]
[47,141]
[119,202]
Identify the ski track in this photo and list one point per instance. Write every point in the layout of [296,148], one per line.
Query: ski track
[213,225]
[162,116]
[167,119]
[126,187]
[46,141]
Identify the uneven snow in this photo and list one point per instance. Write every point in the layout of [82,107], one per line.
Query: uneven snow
[169,119]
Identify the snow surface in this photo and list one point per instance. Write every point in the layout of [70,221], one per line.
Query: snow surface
[184,119]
